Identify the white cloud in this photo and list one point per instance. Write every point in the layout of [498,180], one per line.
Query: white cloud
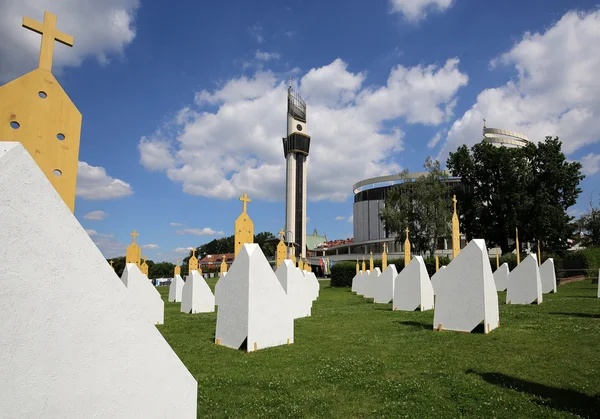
[95,215]
[182,250]
[257,33]
[331,84]
[266,56]
[91,233]
[101,29]
[200,232]
[416,10]
[150,246]
[155,154]
[94,184]
[240,143]
[590,163]
[340,218]
[436,139]
[351,219]
[556,91]
[175,224]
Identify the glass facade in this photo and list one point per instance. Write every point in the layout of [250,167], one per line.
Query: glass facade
[299,202]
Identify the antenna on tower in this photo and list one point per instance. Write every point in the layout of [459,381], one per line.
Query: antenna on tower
[483,123]
[290,83]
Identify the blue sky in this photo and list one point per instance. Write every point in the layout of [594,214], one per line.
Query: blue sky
[184,103]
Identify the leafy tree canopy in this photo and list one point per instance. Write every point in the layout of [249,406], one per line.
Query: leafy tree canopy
[528,188]
[422,205]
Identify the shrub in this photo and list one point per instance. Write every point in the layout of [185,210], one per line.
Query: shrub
[582,262]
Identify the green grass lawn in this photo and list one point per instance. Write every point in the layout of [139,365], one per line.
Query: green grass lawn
[353,358]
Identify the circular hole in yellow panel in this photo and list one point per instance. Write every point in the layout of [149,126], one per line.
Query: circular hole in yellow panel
[60,136]
[42,94]
[57,172]
[15,125]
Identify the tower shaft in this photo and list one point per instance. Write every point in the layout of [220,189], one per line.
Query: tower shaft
[295,149]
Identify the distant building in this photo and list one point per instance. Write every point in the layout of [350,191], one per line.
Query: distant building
[214,261]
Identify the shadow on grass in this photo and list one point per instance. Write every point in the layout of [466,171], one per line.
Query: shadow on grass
[555,398]
[418,325]
[585,315]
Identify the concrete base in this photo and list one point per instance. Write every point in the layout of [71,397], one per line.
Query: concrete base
[253,309]
[144,293]
[74,343]
[524,283]
[176,289]
[384,288]
[467,294]
[412,287]
[548,276]
[197,296]
[501,277]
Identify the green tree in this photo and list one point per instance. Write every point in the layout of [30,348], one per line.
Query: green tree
[422,205]
[530,188]
[261,240]
[589,224]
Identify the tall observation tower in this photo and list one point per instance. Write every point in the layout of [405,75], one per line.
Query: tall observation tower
[295,149]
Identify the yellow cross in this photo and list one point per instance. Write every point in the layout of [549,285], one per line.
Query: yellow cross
[406,233]
[281,234]
[111,263]
[134,235]
[455,201]
[244,198]
[49,35]
[193,252]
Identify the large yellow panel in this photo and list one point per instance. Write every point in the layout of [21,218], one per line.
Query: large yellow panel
[192,263]
[42,121]
[243,228]
[133,254]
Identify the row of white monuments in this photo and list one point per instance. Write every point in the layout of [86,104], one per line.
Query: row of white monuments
[76,343]
[465,291]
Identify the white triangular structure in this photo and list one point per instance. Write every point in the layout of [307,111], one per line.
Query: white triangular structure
[362,282]
[315,287]
[298,289]
[548,276]
[197,296]
[218,288]
[176,289]
[384,288]
[501,277]
[436,280]
[144,293]
[524,283]
[467,294]
[371,282]
[73,341]
[356,281]
[412,287]
[253,307]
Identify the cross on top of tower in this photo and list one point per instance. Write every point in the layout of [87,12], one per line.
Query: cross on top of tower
[244,198]
[134,235]
[281,234]
[406,233]
[193,252]
[455,201]
[49,34]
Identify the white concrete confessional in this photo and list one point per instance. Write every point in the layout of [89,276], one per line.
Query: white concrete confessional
[371,282]
[218,288]
[74,343]
[197,296]
[524,283]
[436,280]
[144,293]
[501,277]
[298,289]
[384,288]
[314,285]
[176,289]
[412,287]
[548,276]
[253,307]
[467,294]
